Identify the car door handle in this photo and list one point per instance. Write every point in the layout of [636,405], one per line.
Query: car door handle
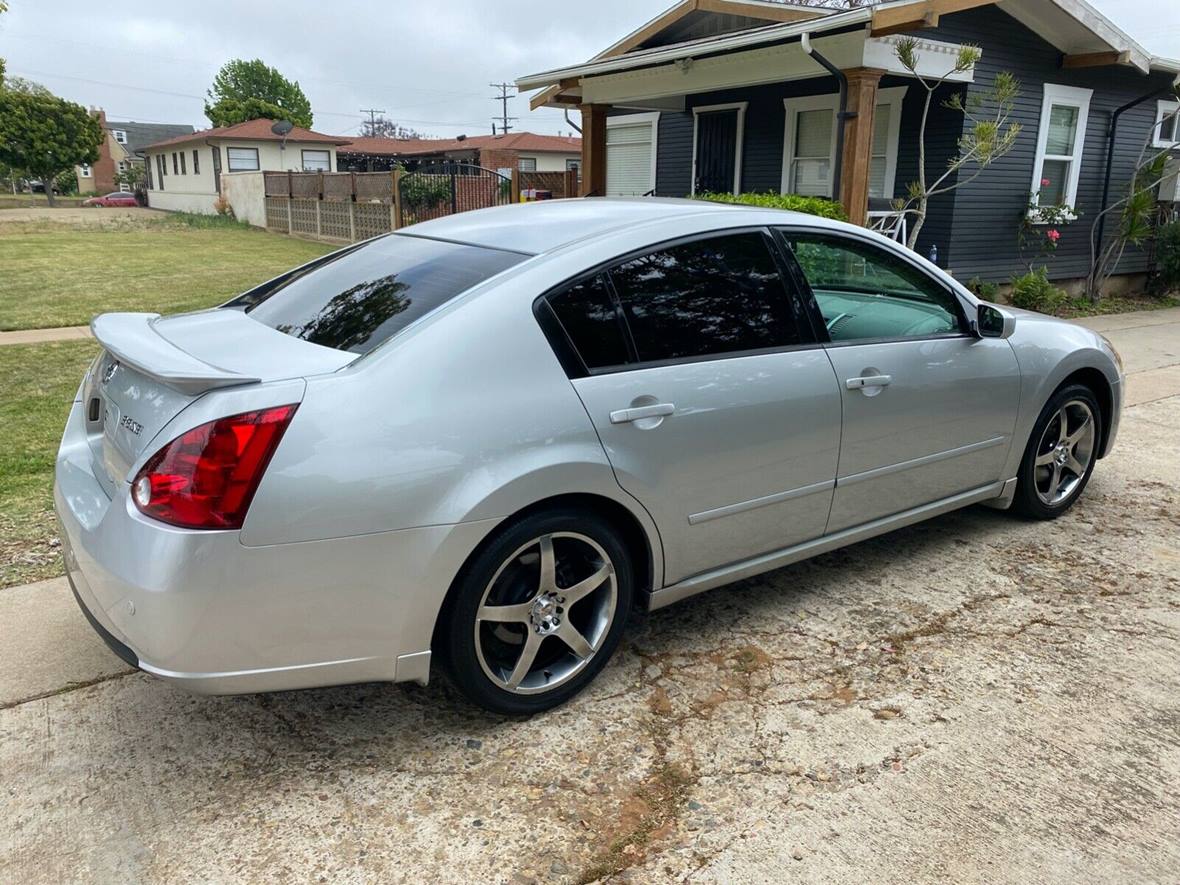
[863,381]
[655,410]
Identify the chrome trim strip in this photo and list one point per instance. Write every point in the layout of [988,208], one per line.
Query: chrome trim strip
[779,558]
[878,472]
[755,503]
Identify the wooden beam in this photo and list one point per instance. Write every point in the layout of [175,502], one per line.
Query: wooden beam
[757,10]
[1095,59]
[893,19]
[858,142]
[593,150]
[928,20]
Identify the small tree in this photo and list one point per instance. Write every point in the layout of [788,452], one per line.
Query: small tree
[1136,211]
[988,136]
[252,90]
[131,178]
[379,127]
[46,135]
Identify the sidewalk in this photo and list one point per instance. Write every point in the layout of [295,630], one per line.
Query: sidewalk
[40,336]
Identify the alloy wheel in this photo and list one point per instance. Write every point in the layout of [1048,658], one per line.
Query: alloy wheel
[545,613]
[1064,452]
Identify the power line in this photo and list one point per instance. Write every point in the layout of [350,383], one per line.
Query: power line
[503,97]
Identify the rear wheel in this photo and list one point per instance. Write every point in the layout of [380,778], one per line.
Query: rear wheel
[538,612]
[1061,453]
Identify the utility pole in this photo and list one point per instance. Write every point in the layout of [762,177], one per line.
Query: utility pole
[372,112]
[503,97]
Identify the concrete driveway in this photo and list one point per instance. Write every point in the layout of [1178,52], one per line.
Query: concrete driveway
[975,699]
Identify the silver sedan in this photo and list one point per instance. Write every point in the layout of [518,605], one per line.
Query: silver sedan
[484,441]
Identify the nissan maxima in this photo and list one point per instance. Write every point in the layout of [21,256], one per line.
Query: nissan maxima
[484,441]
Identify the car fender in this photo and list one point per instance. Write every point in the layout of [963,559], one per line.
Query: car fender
[1048,351]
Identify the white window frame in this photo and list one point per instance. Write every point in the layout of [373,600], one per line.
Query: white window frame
[230,163]
[522,161]
[303,152]
[891,97]
[740,137]
[1164,109]
[1068,96]
[85,171]
[120,132]
[653,120]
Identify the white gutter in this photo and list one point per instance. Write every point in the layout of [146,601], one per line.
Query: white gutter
[691,48]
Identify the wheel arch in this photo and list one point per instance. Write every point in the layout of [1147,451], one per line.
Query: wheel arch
[1095,379]
[642,543]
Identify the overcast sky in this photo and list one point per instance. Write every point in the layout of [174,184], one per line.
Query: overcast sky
[427,66]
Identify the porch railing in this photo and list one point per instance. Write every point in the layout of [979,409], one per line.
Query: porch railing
[889,222]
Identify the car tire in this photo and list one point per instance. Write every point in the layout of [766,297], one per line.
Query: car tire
[1058,460]
[515,599]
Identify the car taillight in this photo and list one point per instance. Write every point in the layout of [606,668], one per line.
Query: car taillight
[206,477]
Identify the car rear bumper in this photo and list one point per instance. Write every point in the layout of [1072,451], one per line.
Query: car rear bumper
[200,609]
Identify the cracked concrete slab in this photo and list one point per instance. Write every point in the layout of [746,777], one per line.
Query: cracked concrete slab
[977,699]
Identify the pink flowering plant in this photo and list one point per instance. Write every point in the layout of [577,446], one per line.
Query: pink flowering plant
[1040,227]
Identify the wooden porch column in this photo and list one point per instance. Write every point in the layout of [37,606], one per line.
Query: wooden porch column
[593,150]
[858,142]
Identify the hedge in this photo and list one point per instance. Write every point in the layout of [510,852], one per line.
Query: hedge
[820,206]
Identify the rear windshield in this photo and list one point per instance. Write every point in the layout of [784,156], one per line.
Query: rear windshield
[365,295]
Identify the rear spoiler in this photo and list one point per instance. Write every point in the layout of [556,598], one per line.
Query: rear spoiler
[133,340]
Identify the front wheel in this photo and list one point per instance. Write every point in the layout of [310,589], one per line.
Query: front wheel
[538,612]
[1061,453]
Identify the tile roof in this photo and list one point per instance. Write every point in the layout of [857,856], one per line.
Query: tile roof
[253,130]
[513,141]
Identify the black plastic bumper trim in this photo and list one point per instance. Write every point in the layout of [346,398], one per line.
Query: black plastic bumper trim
[125,653]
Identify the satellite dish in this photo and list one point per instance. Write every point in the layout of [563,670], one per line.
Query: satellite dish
[282,128]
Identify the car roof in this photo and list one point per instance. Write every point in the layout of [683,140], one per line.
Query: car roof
[542,226]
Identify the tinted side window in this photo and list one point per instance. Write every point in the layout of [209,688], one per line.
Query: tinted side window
[865,292]
[369,293]
[588,315]
[713,296]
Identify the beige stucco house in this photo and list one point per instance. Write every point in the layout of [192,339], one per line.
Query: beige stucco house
[184,173]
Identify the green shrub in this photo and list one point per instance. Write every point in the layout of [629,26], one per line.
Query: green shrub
[985,290]
[1167,253]
[820,206]
[1033,291]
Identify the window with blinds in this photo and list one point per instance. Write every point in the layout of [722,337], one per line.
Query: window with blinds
[1062,135]
[629,158]
[811,173]
[810,144]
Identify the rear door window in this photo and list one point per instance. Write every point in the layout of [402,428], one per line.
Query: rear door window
[590,319]
[368,294]
[711,296]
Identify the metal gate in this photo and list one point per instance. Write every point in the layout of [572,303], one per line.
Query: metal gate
[439,189]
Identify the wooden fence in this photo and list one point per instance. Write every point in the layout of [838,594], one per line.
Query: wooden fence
[351,206]
[345,206]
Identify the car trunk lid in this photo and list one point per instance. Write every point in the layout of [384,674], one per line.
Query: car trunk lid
[152,368]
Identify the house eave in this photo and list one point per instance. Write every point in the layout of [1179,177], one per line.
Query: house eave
[704,47]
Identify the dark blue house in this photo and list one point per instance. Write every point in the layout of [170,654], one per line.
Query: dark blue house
[744,96]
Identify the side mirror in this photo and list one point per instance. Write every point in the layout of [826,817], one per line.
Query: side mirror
[991,322]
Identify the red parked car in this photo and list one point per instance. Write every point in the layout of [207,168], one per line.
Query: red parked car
[118,198]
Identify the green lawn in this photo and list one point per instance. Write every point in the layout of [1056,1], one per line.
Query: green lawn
[63,274]
[39,383]
[30,201]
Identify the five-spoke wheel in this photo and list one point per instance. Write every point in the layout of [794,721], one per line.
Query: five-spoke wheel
[538,612]
[1061,453]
